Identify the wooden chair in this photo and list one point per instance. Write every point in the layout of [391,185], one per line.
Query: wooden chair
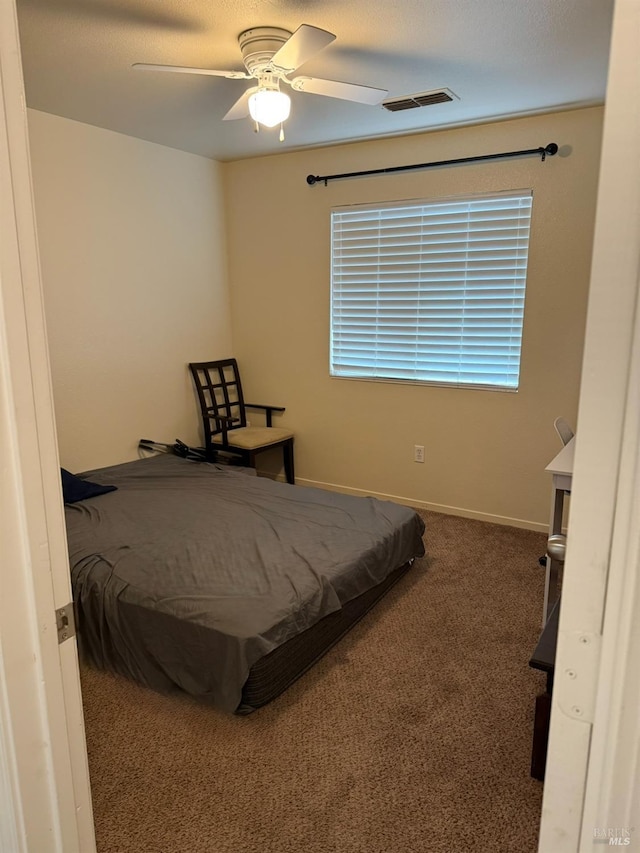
[224,417]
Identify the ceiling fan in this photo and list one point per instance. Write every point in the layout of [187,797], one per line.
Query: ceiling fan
[271,55]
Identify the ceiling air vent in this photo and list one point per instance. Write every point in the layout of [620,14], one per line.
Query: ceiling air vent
[422,99]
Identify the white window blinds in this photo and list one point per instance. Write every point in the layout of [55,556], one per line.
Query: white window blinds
[431,291]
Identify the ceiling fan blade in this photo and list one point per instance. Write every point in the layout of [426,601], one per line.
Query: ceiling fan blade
[301,46]
[241,107]
[334,89]
[182,69]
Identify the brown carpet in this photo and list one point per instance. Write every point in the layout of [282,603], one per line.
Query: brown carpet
[413,735]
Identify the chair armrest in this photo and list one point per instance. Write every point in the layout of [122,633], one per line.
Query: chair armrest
[268,410]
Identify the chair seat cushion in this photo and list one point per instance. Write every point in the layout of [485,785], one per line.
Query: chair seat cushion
[250,438]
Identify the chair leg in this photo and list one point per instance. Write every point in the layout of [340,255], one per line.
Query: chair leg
[287,452]
[209,451]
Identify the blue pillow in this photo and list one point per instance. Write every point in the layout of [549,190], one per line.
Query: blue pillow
[76,489]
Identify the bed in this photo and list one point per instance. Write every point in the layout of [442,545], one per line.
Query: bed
[229,586]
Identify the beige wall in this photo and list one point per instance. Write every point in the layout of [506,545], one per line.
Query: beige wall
[485,451]
[133,263]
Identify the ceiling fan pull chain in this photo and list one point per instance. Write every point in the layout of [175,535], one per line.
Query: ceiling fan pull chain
[281,132]
[256,128]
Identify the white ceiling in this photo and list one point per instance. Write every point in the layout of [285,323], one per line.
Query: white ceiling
[500,57]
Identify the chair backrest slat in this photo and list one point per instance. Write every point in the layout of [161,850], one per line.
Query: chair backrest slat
[219,394]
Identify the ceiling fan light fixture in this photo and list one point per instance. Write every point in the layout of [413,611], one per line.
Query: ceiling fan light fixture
[269,107]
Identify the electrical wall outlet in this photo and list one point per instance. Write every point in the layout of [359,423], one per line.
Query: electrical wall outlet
[418,453]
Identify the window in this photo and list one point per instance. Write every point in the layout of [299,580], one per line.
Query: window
[430,291]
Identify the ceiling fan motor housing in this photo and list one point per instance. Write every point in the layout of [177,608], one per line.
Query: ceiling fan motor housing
[259,45]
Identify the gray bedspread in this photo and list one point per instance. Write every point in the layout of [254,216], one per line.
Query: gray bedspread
[191,572]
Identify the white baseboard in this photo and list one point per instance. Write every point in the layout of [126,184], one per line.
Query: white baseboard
[447,510]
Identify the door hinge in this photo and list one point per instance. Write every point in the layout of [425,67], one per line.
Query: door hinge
[575,683]
[65,622]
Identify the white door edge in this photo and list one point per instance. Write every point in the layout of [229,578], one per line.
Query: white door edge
[612,797]
[593,745]
[45,796]
[12,834]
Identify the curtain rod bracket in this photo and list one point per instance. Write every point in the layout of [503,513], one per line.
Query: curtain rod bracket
[548,151]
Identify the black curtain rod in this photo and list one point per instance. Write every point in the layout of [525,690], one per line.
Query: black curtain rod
[548,150]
